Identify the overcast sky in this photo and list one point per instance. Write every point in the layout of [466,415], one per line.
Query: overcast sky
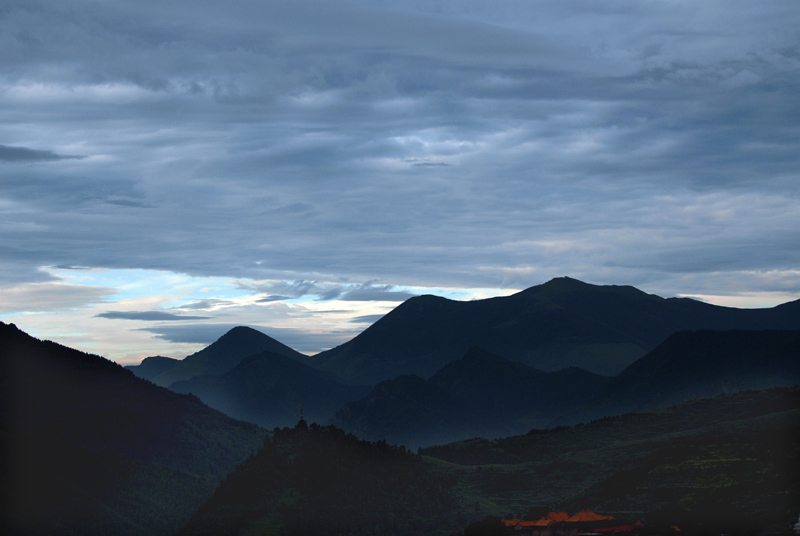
[171,169]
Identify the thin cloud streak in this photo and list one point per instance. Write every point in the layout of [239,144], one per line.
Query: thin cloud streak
[150,316]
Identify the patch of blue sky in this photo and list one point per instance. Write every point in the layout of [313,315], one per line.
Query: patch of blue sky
[179,289]
[461,294]
[130,284]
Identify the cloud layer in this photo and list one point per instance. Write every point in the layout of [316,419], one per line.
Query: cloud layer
[348,151]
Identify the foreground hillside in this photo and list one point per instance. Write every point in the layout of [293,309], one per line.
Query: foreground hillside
[88,448]
[559,324]
[731,463]
[319,480]
[727,464]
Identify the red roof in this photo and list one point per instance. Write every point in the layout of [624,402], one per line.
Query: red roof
[557,516]
[587,515]
[520,522]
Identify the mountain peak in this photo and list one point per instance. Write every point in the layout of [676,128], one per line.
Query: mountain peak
[240,332]
[224,354]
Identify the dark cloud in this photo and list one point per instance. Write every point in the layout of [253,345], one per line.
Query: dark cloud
[328,291]
[151,316]
[430,164]
[273,298]
[23,154]
[190,333]
[205,304]
[366,319]
[50,296]
[331,294]
[370,292]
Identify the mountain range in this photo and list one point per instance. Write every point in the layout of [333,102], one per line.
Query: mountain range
[89,448]
[490,388]
[483,395]
[562,323]
[479,395]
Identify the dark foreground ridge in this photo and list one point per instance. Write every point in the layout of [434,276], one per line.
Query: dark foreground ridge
[88,448]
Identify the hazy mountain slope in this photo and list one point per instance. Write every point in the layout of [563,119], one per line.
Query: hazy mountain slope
[558,324]
[516,397]
[480,394]
[152,366]
[224,354]
[88,448]
[408,411]
[699,364]
[268,389]
[496,397]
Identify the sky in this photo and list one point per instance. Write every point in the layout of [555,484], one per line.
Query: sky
[169,170]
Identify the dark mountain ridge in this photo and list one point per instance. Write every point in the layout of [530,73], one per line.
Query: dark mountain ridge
[485,395]
[698,364]
[561,323]
[88,448]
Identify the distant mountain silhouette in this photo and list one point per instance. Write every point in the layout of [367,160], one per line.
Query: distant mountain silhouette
[88,448]
[486,395]
[152,366]
[480,394]
[699,364]
[224,354]
[515,397]
[559,324]
[268,389]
